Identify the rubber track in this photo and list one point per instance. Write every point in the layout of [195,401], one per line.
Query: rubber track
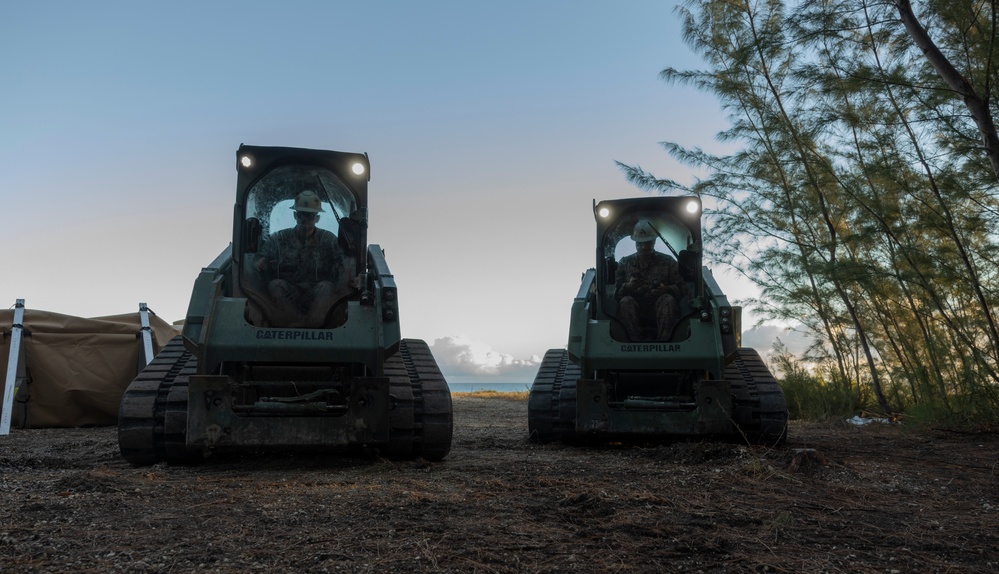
[421,421]
[759,408]
[551,404]
[567,405]
[152,417]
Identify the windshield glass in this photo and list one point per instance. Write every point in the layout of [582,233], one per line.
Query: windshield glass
[271,200]
[671,234]
[642,287]
[295,269]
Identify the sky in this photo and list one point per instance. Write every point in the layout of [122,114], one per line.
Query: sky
[490,126]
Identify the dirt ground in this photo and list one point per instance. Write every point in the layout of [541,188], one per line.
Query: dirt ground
[837,498]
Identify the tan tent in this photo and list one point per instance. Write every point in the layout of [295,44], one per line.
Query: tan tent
[78,368]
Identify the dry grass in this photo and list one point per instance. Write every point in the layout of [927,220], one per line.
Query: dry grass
[503,395]
[837,498]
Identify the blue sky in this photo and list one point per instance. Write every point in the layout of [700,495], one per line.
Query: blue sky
[491,127]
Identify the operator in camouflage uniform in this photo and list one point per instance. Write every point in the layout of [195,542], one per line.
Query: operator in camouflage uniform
[303,267]
[648,282]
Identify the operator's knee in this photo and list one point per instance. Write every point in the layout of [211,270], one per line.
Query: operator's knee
[324,296]
[666,304]
[280,289]
[323,290]
[627,309]
[627,305]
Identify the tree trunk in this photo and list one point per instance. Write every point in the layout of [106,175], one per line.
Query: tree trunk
[976,104]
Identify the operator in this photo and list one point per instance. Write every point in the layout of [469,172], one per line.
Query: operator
[302,266]
[648,282]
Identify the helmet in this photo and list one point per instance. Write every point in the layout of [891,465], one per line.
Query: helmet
[308,202]
[644,232]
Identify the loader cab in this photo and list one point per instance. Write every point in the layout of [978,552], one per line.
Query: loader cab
[299,238]
[675,226]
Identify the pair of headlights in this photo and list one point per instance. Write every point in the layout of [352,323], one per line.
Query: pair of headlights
[247,162]
[691,207]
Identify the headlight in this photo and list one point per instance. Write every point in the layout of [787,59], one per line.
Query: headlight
[357,168]
[693,207]
[246,161]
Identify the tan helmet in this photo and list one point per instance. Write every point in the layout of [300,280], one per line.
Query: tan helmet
[308,202]
[644,232]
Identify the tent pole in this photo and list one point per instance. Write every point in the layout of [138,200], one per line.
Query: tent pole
[15,366]
[146,335]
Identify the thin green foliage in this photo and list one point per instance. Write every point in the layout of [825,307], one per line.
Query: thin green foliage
[862,197]
[809,395]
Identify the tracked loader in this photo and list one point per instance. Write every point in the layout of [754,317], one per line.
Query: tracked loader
[292,337]
[654,349]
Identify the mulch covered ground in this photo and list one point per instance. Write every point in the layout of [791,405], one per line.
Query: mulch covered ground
[836,498]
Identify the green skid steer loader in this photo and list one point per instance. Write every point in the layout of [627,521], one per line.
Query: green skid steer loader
[292,338]
[654,348]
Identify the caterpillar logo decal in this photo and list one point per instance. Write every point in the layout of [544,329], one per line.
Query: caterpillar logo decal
[296,335]
[651,348]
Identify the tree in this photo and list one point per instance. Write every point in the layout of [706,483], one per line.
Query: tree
[976,102]
[857,188]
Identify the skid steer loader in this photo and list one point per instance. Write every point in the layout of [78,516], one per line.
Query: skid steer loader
[292,338]
[654,347]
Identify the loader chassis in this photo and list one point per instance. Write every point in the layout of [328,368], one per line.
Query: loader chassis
[619,381]
[291,339]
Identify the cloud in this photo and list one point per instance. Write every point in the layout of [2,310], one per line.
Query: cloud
[762,339]
[459,356]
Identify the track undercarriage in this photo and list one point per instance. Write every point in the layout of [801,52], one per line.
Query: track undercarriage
[747,406]
[154,423]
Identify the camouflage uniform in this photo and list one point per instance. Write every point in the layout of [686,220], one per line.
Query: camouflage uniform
[304,274]
[647,284]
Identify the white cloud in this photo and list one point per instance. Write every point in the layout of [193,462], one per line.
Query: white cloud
[460,356]
[763,337]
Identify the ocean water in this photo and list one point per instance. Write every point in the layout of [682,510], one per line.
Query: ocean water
[471,384]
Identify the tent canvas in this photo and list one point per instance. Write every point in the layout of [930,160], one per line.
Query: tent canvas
[78,368]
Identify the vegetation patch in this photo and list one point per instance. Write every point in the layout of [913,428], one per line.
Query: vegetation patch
[507,396]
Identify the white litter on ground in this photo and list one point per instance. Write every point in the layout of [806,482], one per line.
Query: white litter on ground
[861,421]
